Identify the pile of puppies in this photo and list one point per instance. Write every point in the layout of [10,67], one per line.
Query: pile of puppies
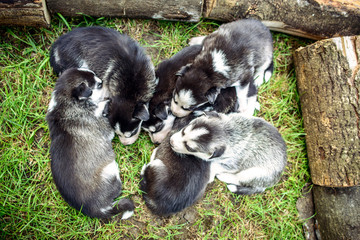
[197,105]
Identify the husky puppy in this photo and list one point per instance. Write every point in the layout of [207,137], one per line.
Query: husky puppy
[237,54]
[161,119]
[82,159]
[171,182]
[123,66]
[228,101]
[247,153]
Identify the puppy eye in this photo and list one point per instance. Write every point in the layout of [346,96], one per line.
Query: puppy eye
[134,131]
[159,127]
[99,85]
[186,109]
[188,148]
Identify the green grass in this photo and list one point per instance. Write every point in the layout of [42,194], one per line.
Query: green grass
[30,205]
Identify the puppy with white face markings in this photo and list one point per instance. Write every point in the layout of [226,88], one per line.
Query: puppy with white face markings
[172,182]
[247,153]
[82,159]
[237,54]
[161,119]
[123,66]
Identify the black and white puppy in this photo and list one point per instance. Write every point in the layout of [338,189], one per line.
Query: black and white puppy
[237,54]
[82,159]
[161,119]
[247,153]
[171,181]
[123,66]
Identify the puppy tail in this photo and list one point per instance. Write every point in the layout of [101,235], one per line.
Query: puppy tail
[124,206]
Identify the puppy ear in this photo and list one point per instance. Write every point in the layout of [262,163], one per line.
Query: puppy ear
[212,114]
[218,152]
[82,92]
[212,94]
[183,69]
[161,111]
[141,112]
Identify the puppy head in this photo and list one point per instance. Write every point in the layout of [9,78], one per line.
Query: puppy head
[159,124]
[201,138]
[192,90]
[126,118]
[80,85]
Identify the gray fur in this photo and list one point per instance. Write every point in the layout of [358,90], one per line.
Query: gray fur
[247,153]
[82,159]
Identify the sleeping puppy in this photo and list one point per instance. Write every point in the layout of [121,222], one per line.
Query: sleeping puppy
[122,65]
[237,54]
[171,182]
[247,153]
[82,159]
[161,119]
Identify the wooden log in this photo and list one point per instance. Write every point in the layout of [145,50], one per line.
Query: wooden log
[338,212]
[315,19]
[180,10]
[25,13]
[328,79]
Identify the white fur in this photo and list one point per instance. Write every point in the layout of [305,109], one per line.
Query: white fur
[158,137]
[84,69]
[153,154]
[243,176]
[106,209]
[220,63]
[177,140]
[127,214]
[232,188]
[122,136]
[109,70]
[260,75]
[100,109]
[157,163]
[252,104]
[53,102]
[56,56]
[83,64]
[183,98]
[196,40]
[268,75]
[241,94]
[111,170]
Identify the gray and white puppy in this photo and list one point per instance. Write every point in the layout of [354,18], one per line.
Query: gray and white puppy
[121,63]
[247,153]
[237,54]
[171,181]
[82,159]
[161,119]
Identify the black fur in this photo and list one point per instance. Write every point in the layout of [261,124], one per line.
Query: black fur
[182,182]
[116,59]
[246,46]
[167,73]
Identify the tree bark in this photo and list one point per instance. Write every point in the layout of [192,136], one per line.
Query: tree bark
[24,12]
[315,19]
[338,212]
[181,10]
[328,79]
